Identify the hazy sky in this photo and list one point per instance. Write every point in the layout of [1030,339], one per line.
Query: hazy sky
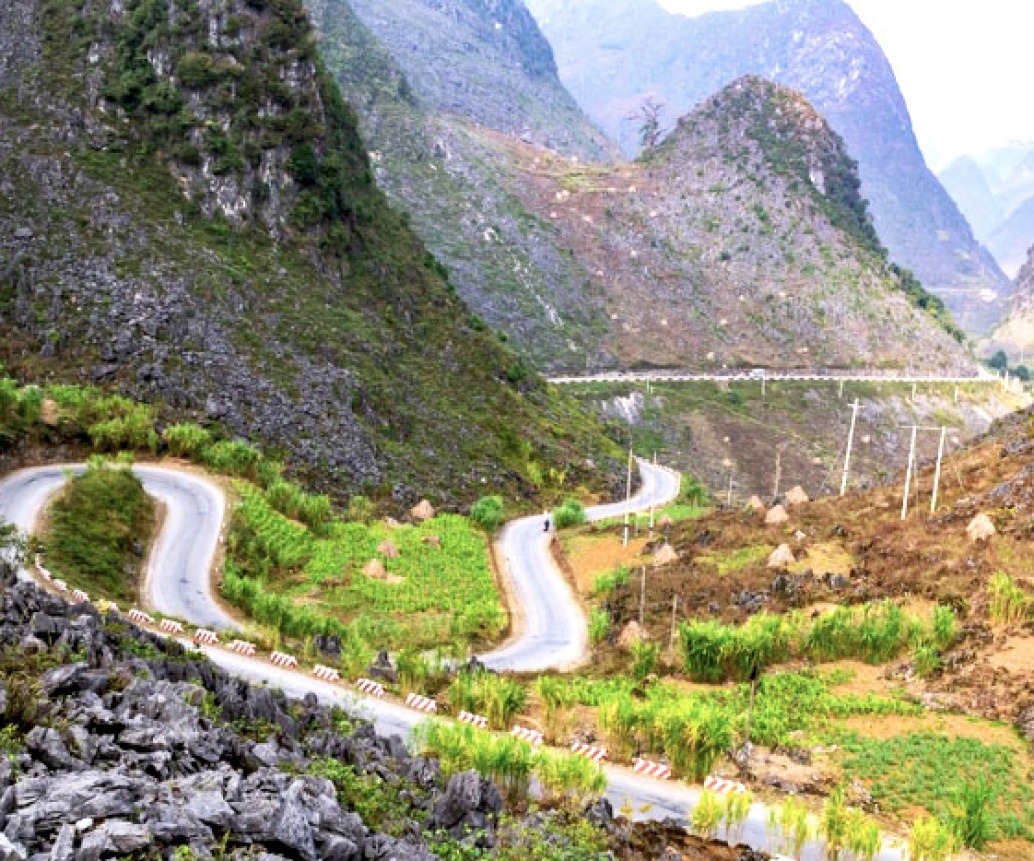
[965,66]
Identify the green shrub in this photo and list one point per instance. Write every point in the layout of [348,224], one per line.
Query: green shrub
[609,581]
[196,71]
[1009,603]
[487,512]
[571,513]
[186,440]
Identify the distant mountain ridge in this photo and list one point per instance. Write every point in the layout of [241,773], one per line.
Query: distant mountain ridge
[995,190]
[614,54]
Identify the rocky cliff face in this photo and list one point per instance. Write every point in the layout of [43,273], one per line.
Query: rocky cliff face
[441,99]
[741,241]
[614,55]
[486,62]
[188,212]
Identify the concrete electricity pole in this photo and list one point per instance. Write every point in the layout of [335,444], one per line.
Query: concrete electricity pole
[908,472]
[850,443]
[628,495]
[937,474]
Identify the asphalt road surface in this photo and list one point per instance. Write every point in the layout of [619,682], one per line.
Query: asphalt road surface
[177,580]
[551,630]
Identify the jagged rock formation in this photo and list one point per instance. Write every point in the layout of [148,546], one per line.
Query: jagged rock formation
[614,54]
[118,743]
[187,212]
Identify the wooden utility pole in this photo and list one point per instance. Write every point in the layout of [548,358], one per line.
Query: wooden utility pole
[674,618]
[937,474]
[642,600]
[628,495]
[778,470]
[908,472]
[850,443]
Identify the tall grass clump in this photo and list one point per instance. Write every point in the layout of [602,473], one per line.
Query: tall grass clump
[930,840]
[735,813]
[1009,603]
[293,502]
[233,457]
[496,697]
[599,626]
[971,819]
[790,826]
[644,659]
[862,836]
[608,581]
[707,815]
[557,698]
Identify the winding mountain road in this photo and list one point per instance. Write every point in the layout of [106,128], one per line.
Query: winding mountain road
[549,623]
[550,632]
[177,579]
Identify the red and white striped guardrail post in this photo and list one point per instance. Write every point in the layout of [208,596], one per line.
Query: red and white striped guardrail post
[596,754]
[370,687]
[722,785]
[282,659]
[139,617]
[80,597]
[421,703]
[242,647]
[651,769]
[327,674]
[474,720]
[170,626]
[204,637]
[532,736]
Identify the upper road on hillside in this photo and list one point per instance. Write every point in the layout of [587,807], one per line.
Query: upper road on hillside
[814,376]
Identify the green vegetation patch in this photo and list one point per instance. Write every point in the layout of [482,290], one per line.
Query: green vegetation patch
[936,772]
[737,560]
[418,585]
[97,527]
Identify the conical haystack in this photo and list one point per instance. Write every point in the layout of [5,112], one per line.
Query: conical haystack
[980,529]
[391,523]
[388,550]
[781,557]
[49,413]
[666,522]
[630,635]
[755,504]
[797,496]
[665,556]
[422,511]
[776,516]
[375,570]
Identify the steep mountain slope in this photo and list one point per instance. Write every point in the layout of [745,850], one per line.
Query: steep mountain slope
[741,241]
[969,187]
[1011,239]
[1016,334]
[447,171]
[187,211]
[614,54]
